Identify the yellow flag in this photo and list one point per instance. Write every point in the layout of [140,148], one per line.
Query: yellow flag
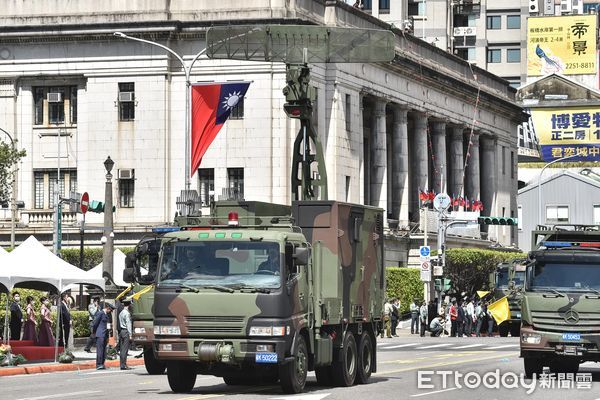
[500,310]
[141,292]
[482,293]
[124,292]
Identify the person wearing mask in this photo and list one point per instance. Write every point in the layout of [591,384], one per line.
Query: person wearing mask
[395,316]
[125,334]
[387,312]
[93,309]
[16,317]
[65,321]
[436,326]
[46,338]
[454,318]
[414,317]
[29,330]
[460,320]
[432,311]
[100,328]
[469,317]
[271,264]
[423,317]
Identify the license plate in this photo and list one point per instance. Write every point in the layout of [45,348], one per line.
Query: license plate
[571,336]
[266,358]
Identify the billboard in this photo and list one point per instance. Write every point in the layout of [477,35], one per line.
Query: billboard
[568,132]
[564,45]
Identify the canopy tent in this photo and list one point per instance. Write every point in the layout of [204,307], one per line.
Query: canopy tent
[118,268]
[4,281]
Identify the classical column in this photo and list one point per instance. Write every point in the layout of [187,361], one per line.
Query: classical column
[472,174]
[420,161]
[400,193]
[379,155]
[489,172]
[438,138]
[457,161]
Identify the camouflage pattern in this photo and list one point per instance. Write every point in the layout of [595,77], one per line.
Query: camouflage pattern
[514,295]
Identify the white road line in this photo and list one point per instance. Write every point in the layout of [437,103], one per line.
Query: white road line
[469,346]
[428,393]
[433,346]
[61,395]
[504,346]
[399,346]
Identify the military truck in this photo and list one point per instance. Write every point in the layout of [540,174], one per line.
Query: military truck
[560,305]
[261,299]
[508,280]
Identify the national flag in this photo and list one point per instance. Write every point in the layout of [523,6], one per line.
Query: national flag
[500,310]
[423,196]
[211,106]
[461,202]
[431,195]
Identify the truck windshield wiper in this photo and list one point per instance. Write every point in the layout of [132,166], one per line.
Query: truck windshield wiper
[589,289]
[191,288]
[556,292]
[219,288]
[251,288]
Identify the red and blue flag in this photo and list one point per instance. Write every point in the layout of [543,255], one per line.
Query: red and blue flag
[211,106]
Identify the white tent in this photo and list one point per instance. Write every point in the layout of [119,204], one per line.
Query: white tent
[118,267]
[4,280]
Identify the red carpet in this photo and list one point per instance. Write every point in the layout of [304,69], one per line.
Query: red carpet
[31,352]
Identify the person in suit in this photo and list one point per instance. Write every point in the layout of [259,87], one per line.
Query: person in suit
[29,331]
[100,329]
[65,321]
[125,333]
[16,317]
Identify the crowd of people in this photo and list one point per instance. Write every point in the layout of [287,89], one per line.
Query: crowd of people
[462,317]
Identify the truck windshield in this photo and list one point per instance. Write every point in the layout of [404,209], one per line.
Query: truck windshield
[230,264]
[503,279]
[566,276]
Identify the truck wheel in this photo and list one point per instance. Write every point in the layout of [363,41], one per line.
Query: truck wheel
[532,366]
[153,366]
[293,374]
[181,376]
[345,362]
[515,330]
[564,365]
[365,358]
[324,376]
[503,330]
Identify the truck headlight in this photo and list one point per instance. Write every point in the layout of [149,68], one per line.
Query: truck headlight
[139,331]
[531,338]
[267,330]
[166,330]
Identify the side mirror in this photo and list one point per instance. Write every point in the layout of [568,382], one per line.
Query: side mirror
[130,260]
[301,255]
[128,274]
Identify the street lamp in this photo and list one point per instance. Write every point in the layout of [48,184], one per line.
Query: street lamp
[539,184]
[13,202]
[187,70]
[107,252]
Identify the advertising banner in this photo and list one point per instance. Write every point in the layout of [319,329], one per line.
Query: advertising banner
[564,45]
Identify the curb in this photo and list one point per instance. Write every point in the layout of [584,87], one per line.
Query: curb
[41,369]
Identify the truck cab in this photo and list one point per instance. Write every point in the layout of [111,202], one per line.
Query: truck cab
[508,280]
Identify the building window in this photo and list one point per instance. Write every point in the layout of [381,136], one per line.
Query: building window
[513,55]
[237,112]
[556,214]
[494,56]
[513,22]
[466,53]
[514,83]
[348,112]
[596,214]
[416,8]
[126,101]
[206,177]
[520,218]
[52,103]
[384,6]
[45,183]
[503,160]
[493,22]
[235,183]
[366,4]
[126,188]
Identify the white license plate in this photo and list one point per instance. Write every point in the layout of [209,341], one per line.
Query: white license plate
[266,358]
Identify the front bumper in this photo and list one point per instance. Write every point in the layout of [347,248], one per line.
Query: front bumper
[586,348]
[143,333]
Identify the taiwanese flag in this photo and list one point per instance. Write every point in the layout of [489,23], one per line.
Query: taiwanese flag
[423,196]
[211,106]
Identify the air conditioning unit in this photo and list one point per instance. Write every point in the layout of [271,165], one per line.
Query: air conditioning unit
[54,97]
[465,31]
[126,173]
[533,6]
[125,96]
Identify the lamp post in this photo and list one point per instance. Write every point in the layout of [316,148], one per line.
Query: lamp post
[108,235]
[187,70]
[539,184]
[13,201]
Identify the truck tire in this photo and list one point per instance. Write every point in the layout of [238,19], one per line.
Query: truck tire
[181,376]
[564,365]
[345,362]
[153,366]
[532,366]
[503,329]
[515,330]
[324,376]
[292,375]
[365,358]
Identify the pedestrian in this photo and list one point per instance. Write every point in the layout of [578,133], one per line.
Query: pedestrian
[432,311]
[93,309]
[414,317]
[46,338]
[29,330]
[460,320]
[16,317]
[125,333]
[453,318]
[480,314]
[436,326]
[395,315]
[490,321]
[101,333]
[387,311]
[469,317]
[65,321]
[118,309]
[423,317]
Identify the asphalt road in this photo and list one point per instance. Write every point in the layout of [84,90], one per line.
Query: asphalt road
[405,365]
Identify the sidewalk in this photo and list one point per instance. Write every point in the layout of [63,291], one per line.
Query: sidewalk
[82,361]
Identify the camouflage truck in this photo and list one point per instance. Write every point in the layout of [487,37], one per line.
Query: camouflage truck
[508,280]
[560,306]
[266,299]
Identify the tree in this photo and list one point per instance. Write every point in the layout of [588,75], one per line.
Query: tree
[9,156]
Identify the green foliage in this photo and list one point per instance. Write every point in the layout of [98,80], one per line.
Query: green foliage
[469,269]
[92,256]
[80,322]
[66,358]
[9,156]
[405,284]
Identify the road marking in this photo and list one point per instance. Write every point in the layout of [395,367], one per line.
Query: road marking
[60,395]
[502,347]
[433,346]
[399,346]
[317,396]
[469,346]
[445,363]
[428,393]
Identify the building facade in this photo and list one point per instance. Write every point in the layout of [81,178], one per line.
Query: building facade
[78,94]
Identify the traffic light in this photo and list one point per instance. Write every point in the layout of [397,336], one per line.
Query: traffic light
[96,206]
[497,221]
[442,285]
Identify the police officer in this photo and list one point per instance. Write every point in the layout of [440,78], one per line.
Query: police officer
[101,333]
[125,333]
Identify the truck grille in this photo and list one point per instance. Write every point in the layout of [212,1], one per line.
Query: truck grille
[214,319]
[553,321]
[214,329]
[209,325]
